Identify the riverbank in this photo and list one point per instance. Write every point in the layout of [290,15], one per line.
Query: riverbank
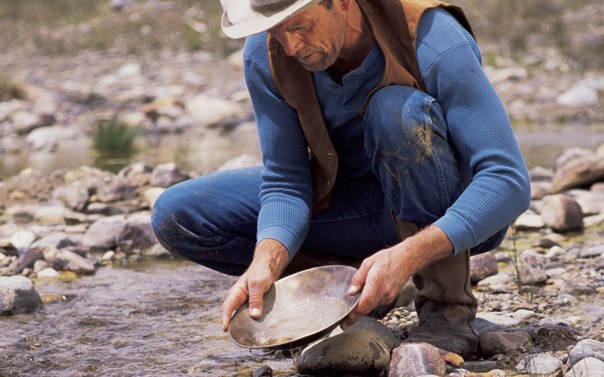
[545,284]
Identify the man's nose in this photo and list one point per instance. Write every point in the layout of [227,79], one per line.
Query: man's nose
[292,44]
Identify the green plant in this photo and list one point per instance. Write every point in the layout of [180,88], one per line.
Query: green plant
[110,136]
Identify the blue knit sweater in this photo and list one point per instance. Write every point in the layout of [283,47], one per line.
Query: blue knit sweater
[491,164]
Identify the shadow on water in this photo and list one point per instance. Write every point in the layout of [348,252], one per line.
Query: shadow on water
[160,318]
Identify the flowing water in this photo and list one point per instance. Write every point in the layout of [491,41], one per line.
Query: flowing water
[160,318]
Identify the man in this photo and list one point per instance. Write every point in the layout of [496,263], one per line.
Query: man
[404,132]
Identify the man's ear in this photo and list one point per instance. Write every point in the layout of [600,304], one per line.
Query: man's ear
[344,4]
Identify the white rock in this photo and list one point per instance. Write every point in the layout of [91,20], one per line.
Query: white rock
[48,137]
[529,220]
[587,367]
[151,194]
[48,273]
[22,239]
[210,110]
[541,364]
[578,96]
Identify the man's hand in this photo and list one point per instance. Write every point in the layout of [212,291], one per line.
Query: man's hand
[270,259]
[382,275]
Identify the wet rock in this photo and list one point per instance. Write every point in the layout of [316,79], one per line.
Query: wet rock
[540,364]
[577,172]
[18,295]
[529,220]
[69,261]
[362,349]
[421,359]
[166,175]
[137,236]
[532,267]
[499,342]
[561,213]
[157,251]
[482,266]
[587,367]
[584,349]
[74,195]
[102,234]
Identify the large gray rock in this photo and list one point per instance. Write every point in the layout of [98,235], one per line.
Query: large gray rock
[586,348]
[363,349]
[116,191]
[561,213]
[209,111]
[586,368]
[18,295]
[103,233]
[540,364]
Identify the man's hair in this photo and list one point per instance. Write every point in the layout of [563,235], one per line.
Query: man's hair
[327,3]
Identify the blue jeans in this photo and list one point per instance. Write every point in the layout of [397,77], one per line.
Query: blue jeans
[211,220]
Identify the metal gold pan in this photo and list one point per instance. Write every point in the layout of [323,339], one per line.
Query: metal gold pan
[298,309]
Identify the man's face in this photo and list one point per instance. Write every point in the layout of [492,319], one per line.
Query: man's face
[314,37]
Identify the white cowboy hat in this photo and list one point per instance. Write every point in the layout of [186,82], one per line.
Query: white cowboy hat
[246,17]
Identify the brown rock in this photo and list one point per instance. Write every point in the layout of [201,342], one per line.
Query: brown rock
[561,213]
[482,266]
[418,359]
[579,171]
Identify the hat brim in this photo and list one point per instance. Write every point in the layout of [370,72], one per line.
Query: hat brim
[258,22]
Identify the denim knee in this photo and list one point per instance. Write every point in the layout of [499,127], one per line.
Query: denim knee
[407,142]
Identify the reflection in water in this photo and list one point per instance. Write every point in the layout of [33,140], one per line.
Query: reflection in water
[204,152]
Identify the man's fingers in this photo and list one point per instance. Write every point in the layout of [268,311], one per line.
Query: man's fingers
[236,297]
[359,278]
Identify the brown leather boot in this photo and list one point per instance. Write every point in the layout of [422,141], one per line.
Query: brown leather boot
[446,306]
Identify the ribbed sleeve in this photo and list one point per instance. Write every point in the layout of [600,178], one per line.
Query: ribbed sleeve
[479,130]
[286,192]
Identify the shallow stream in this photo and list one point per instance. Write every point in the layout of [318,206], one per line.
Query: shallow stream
[160,318]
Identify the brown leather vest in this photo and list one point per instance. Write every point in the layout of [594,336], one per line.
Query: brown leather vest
[394,26]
